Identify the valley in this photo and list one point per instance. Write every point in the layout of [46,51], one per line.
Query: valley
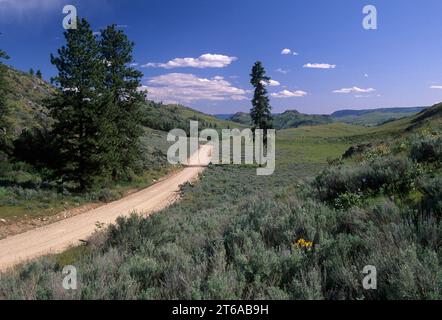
[242,244]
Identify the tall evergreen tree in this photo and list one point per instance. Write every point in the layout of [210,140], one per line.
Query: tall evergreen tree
[39,75]
[5,125]
[122,82]
[31,72]
[261,112]
[80,107]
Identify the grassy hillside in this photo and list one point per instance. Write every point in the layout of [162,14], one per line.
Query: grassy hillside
[288,119]
[429,119]
[25,97]
[167,117]
[305,232]
[374,117]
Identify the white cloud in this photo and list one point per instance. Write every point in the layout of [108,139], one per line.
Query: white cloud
[289,51]
[366,75]
[354,90]
[188,88]
[436,87]
[272,83]
[319,66]
[289,94]
[207,60]
[283,71]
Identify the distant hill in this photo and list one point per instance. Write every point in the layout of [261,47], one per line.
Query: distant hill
[286,120]
[374,117]
[429,118]
[224,116]
[294,119]
[242,118]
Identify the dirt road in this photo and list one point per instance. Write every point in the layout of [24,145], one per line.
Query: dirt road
[61,235]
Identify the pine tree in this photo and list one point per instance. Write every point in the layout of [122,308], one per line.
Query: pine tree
[39,75]
[80,108]
[5,125]
[31,72]
[122,82]
[261,113]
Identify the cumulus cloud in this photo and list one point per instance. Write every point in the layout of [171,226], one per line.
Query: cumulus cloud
[188,88]
[207,60]
[288,51]
[354,90]
[319,66]
[289,94]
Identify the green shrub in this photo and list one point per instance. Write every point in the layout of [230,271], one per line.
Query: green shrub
[348,200]
[432,199]
[106,195]
[392,174]
[427,149]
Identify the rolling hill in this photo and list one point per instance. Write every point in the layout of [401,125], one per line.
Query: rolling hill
[167,117]
[374,117]
[285,120]
[294,119]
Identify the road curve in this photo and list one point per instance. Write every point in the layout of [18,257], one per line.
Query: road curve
[59,236]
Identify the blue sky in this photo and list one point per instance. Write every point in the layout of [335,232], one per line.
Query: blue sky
[338,64]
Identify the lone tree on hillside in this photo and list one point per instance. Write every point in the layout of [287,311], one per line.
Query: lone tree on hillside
[261,112]
[39,75]
[5,126]
[122,82]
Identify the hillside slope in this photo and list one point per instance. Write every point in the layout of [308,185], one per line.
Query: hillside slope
[167,117]
[25,97]
[429,118]
[374,117]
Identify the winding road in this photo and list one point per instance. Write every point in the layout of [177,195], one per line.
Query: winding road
[59,236]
